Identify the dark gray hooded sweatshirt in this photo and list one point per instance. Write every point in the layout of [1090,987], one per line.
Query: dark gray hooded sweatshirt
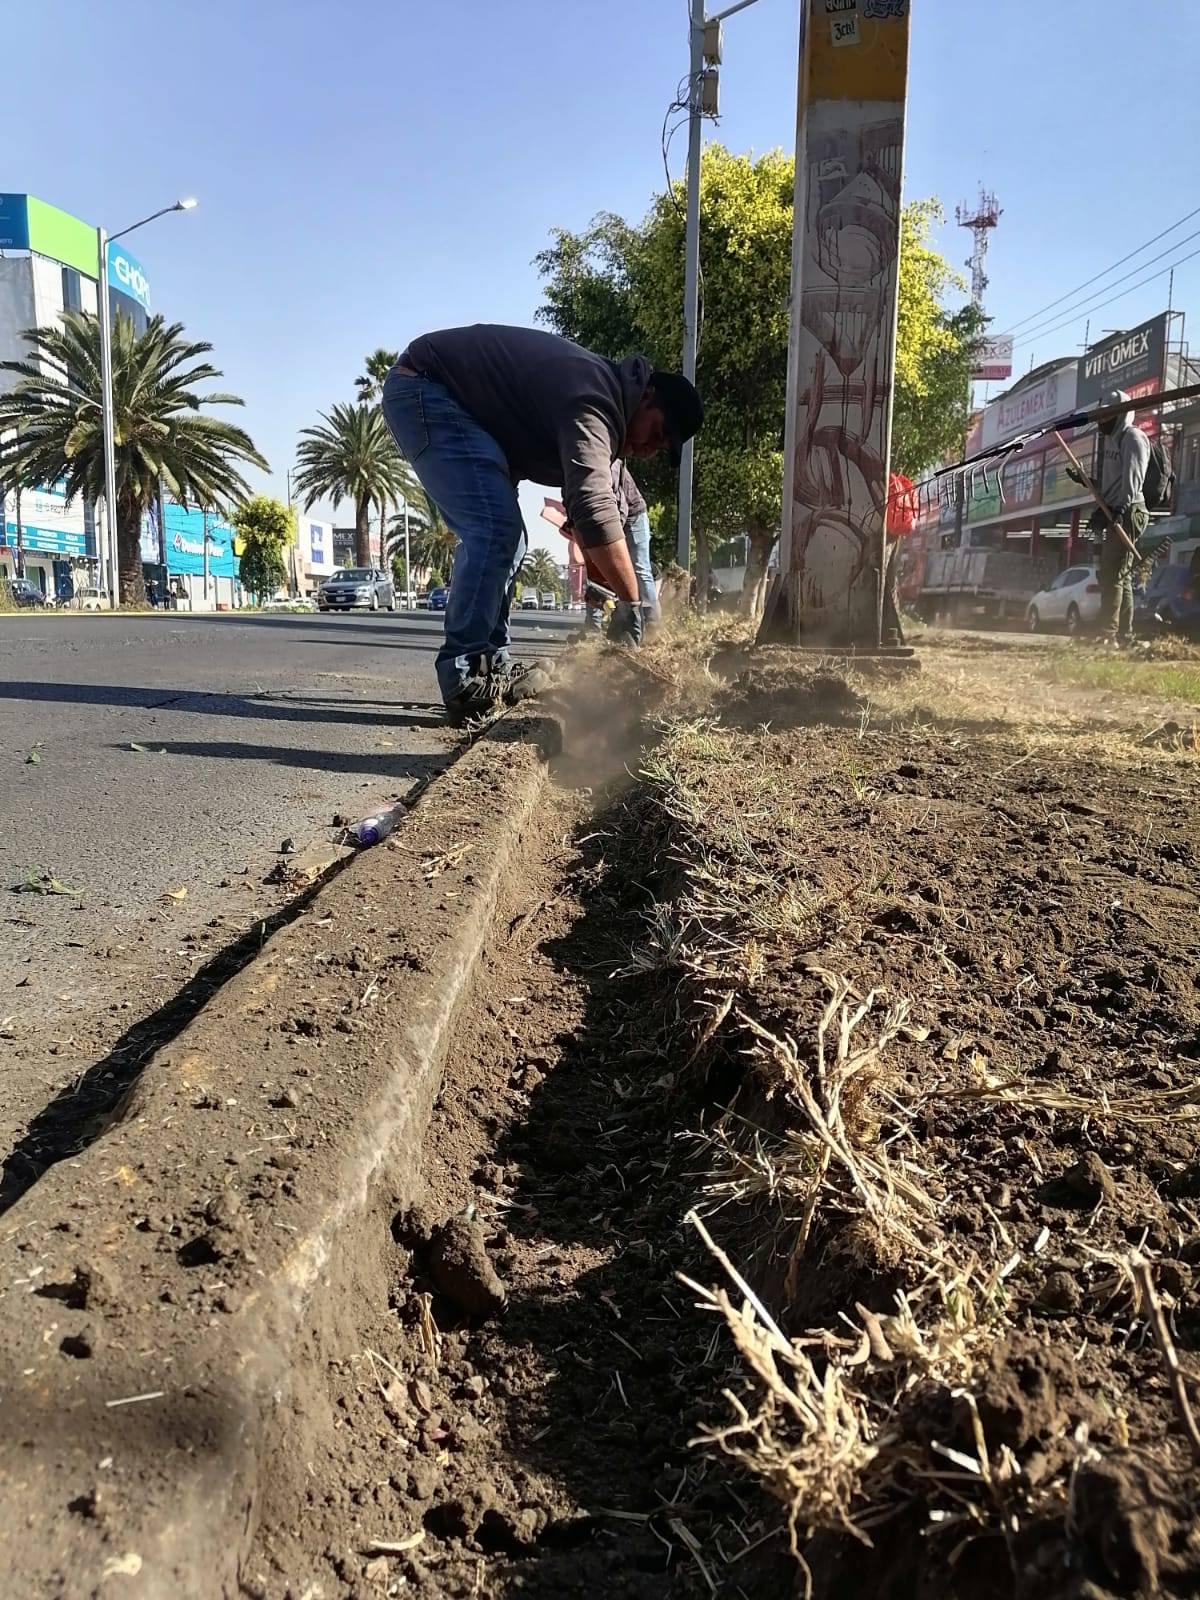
[558,412]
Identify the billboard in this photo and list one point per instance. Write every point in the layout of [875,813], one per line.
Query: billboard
[61,236]
[185,543]
[125,275]
[27,223]
[1134,361]
[993,360]
[316,546]
[14,222]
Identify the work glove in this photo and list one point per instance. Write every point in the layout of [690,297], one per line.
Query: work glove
[626,626]
[1076,475]
[1097,527]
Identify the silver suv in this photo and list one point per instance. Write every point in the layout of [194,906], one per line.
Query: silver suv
[357,589]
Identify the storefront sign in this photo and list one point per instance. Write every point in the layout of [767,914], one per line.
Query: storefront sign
[1057,487]
[1029,406]
[1022,480]
[1133,361]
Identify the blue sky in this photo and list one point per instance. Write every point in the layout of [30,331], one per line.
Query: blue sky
[375,168]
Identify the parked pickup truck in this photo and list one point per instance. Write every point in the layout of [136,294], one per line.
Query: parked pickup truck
[972,585]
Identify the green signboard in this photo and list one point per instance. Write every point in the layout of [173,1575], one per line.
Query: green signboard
[60,236]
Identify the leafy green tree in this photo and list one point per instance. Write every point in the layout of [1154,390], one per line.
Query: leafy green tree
[538,570]
[353,457]
[935,350]
[375,369]
[618,287]
[163,431]
[266,530]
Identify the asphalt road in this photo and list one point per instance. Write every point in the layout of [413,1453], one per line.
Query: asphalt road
[255,730]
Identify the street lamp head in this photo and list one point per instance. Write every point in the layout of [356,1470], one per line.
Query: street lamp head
[189,204]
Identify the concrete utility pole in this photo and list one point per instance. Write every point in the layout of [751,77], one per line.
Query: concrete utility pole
[705,36]
[842,347]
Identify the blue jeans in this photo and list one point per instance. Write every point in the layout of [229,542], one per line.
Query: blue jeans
[466,475]
[637,541]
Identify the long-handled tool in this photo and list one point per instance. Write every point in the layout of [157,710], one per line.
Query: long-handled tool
[1095,494]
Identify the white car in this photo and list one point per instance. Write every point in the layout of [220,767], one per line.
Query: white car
[90,600]
[1072,601]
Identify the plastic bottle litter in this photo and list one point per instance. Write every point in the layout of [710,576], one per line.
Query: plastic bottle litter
[376,827]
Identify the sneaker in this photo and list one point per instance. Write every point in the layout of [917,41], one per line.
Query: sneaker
[474,702]
[522,680]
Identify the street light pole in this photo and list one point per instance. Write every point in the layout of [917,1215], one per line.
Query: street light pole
[111,578]
[110,575]
[700,28]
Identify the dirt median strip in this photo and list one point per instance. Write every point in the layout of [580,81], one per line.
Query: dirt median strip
[152,1288]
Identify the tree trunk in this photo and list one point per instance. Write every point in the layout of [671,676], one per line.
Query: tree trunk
[129,551]
[703,568]
[362,533]
[754,584]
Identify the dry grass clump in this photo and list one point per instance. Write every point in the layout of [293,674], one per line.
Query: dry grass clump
[870,1411]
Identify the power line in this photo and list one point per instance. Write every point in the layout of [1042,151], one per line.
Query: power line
[1191,256]
[1085,304]
[1034,316]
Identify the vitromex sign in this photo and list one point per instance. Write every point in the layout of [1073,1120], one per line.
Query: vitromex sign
[1133,361]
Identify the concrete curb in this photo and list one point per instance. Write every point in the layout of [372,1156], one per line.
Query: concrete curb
[152,1290]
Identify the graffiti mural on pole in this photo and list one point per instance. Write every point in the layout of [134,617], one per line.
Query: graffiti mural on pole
[852,231]
[849,169]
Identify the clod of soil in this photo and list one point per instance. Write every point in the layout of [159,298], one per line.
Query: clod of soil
[1085,1184]
[462,1270]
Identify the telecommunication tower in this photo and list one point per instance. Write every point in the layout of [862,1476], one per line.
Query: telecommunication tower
[980,222]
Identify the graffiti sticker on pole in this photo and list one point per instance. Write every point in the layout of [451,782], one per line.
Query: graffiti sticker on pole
[843,25]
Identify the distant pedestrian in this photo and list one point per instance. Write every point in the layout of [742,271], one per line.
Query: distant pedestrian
[629,621]
[1124,457]
[475,410]
[901,520]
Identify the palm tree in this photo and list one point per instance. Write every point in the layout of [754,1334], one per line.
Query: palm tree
[354,458]
[539,570]
[375,369]
[431,542]
[161,433]
[370,392]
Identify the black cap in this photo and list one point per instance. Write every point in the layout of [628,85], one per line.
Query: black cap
[681,406]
